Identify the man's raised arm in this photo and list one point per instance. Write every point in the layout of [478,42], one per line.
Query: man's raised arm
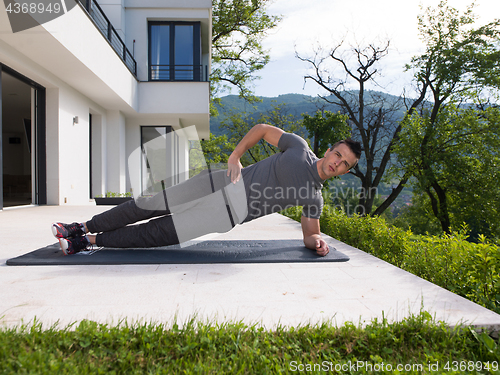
[269,133]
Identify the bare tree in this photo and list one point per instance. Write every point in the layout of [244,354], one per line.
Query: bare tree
[372,115]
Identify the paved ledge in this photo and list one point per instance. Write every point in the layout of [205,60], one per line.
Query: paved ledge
[268,294]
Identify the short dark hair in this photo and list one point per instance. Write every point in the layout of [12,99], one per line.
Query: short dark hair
[354,146]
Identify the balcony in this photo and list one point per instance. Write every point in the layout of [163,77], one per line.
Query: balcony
[103,24]
[193,73]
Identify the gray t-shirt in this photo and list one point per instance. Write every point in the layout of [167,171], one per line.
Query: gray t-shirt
[287,179]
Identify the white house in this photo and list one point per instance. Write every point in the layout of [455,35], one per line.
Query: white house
[82,92]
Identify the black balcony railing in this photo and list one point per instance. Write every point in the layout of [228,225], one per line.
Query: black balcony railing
[108,31]
[194,73]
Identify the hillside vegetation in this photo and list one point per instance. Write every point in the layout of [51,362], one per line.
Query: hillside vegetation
[295,104]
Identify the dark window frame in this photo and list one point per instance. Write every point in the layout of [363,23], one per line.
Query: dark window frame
[39,135]
[174,180]
[197,59]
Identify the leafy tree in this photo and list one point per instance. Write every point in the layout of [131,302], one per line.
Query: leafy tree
[372,116]
[418,217]
[460,64]
[326,128]
[238,28]
[217,149]
[461,159]
[459,61]
[237,124]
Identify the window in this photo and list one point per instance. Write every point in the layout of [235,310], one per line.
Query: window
[175,51]
[160,158]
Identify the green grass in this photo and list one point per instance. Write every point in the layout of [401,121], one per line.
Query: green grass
[236,348]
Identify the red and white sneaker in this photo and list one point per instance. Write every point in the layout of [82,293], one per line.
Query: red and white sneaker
[61,230]
[74,245]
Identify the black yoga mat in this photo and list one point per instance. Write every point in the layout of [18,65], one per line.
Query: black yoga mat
[272,251]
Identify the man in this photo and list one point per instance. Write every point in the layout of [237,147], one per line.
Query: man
[293,177]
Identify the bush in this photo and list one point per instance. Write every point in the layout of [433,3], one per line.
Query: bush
[370,234]
[450,261]
[468,269]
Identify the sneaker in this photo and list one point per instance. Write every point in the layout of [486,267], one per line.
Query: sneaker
[61,230]
[74,245]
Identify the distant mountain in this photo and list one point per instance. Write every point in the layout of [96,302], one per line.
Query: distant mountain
[295,104]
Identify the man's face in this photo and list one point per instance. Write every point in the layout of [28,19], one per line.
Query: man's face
[337,161]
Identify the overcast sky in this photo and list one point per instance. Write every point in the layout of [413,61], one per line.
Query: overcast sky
[309,23]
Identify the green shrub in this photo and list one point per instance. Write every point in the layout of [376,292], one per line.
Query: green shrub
[468,269]
[450,261]
[370,234]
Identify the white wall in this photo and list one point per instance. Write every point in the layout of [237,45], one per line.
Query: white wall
[115,11]
[73,146]
[184,159]
[99,155]
[68,145]
[52,136]
[115,148]
[170,3]
[174,97]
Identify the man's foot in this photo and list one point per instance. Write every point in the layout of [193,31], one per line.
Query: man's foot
[74,245]
[61,230]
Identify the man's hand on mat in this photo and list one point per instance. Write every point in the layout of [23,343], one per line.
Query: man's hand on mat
[322,248]
[234,169]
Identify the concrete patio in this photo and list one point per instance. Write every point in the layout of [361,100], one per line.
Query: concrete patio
[268,294]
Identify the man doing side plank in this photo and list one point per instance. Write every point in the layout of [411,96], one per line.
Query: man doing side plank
[293,177]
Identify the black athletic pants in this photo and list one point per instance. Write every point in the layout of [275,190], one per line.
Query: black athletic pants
[195,204]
